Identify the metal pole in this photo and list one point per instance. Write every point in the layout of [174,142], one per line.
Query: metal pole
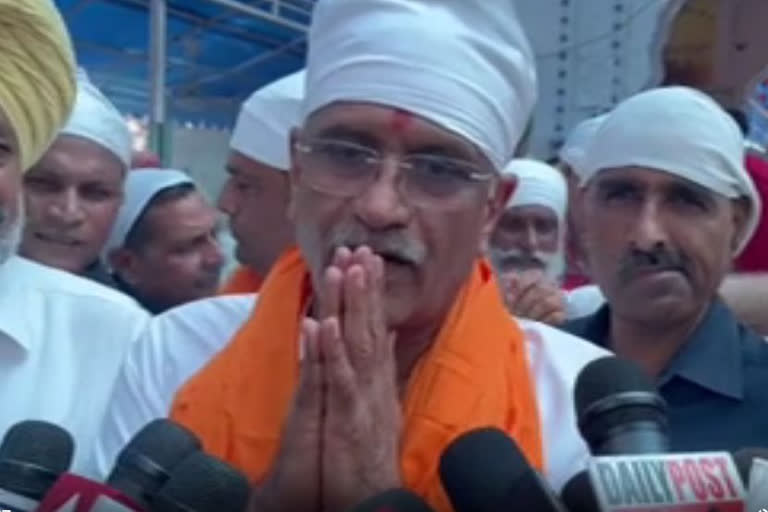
[258,13]
[158,14]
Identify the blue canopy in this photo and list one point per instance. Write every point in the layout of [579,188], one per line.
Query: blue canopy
[216,55]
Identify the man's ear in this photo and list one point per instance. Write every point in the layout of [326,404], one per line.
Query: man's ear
[742,210]
[293,173]
[495,207]
[123,263]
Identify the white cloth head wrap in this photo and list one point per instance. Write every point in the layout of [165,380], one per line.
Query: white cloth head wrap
[95,118]
[141,186]
[681,131]
[575,147]
[538,184]
[263,128]
[464,65]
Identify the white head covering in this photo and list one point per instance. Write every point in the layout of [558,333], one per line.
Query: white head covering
[575,147]
[681,131]
[266,118]
[538,184]
[465,65]
[141,185]
[95,118]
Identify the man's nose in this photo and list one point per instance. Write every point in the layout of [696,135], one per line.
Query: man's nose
[382,204]
[67,207]
[649,233]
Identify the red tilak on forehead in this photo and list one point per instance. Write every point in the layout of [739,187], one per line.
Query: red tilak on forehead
[400,120]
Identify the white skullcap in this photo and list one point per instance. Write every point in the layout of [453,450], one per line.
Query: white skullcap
[575,147]
[263,128]
[538,184]
[141,186]
[95,118]
[681,131]
[464,65]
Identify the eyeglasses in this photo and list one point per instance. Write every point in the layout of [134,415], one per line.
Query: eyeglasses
[345,169]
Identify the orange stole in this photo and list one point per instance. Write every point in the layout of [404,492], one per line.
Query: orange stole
[242,280]
[475,374]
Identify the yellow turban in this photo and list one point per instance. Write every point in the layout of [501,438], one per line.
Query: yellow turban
[37,74]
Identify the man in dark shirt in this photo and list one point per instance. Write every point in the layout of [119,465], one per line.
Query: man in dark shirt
[667,205]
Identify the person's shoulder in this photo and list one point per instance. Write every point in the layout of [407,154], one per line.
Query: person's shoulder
[561,347]
[212,310]
[56,285]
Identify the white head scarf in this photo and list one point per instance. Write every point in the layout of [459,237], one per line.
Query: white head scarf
[95,118]
[681,131]
[465,65]
[541,185]
[141,186]
[575,147]
[266,119]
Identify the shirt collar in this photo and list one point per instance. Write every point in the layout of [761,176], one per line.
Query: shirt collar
[711,357]
[15,312]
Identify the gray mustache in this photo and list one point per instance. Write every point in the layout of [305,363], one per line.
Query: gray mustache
[392,244]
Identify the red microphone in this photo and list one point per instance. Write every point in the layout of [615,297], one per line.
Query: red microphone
[72,493]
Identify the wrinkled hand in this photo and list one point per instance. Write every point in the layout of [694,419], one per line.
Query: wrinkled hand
[531,295]
[362,412]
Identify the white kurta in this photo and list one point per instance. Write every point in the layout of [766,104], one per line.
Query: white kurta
[62,342]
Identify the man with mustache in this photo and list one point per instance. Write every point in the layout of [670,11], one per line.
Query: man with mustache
[74,192]
[180,341]
[384,336]
[164,249]
[667,205]
[62,337]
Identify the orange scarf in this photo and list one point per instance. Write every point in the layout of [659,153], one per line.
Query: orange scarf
[475,374]
[243,280]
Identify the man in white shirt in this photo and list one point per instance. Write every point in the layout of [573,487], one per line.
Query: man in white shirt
[62,337]
[447,121]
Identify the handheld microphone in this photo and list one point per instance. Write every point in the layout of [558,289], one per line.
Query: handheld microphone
[752,464]
[483,470]
[32,456]
[692,482]
[147,461]
[73,493]
[619,410]
[202,483]
[578,495]
[393,500]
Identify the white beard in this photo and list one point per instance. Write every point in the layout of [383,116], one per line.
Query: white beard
[10,239]
[551,263]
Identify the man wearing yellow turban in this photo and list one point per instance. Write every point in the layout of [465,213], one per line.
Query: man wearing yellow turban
[62,337]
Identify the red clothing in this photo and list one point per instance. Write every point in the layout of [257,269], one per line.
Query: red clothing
[754,258]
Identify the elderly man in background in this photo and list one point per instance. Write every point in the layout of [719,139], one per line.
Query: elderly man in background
[527,247]
[180,341]
[62,337]
[360,361]
[74,192]
[670,205]
[255,196]
[163,249]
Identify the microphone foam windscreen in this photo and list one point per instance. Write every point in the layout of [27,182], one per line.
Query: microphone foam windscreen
[32,456]
[578,494]
[203,483]
[609,376]
[165,442]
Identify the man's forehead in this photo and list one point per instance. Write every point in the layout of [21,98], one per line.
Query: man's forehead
[646,177]
[531,211]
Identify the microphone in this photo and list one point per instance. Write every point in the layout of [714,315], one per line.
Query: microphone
[32,456]
[619,410]
[483,470]
[578,495]
[752,464]
[147,461]
[693,482]
[202,483]
[73,493]
[393,500]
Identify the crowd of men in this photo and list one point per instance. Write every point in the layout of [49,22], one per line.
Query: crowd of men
[406,272]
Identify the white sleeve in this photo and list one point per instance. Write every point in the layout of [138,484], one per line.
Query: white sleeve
[175,346]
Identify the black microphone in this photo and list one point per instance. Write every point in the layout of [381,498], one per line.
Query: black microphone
[393,500]
[148,460]
[743,459]
[578,495]
[203,483]
[483,470]
[619,409]
[33,454]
